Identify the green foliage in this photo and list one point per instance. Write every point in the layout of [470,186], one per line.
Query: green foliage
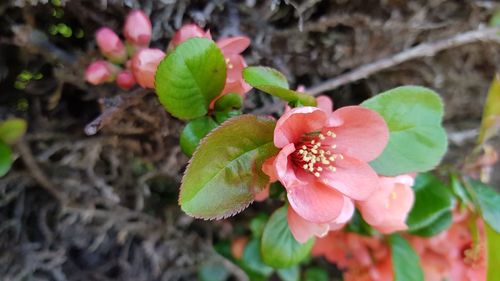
[279,248]
[316,274]
[417,139]
[431,212]
[194,131]
[213,272]
[190,77]
[12,130]
[491,112]
[493,246]
[358,225]
[5,158]
[251,262]
[405,262]
[229,101]
[258,223]
[226,169]
[289,274]
[271,81]
[489,202]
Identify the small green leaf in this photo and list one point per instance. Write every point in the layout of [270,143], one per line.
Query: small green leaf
[493,244]
[5,159]
[437,226]
[417,139]
[190,77]
[405,262]
[490,122]
[432,208]
[226,169]
[213,272]
[251,262]
[289,274]
[271,81]
[12,130]
[258,223]
[195,131]
[223,116]
[228,101]
[316,274]
[489,202]
[279,248]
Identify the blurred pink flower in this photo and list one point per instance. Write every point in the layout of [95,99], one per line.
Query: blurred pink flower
[137,28]
[323,158]
[125,79]
[100,71]
[386,210]
[144,65]
[188,31]
[110,45]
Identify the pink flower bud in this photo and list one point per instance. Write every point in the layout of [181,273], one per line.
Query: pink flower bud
[100,72]
[186,32]
[110,45]
[144,65]
[125,80]
[137,28]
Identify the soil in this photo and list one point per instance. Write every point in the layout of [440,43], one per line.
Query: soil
[103,206]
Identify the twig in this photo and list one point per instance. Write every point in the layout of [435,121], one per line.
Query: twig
[114,106]
[420,51]
[36,172]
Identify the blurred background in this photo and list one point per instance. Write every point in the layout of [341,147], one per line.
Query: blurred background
[88,202]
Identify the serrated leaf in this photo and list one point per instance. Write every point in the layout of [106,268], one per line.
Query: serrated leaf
[271,81]
[493,244]
[489,202]
[5,159]
[417,140]
[194,131]
[432,201]
[12,130]
[405,262]
[226,169]
[278,246]
[190,77]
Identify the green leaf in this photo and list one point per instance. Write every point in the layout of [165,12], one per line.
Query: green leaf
[489,202]
[279,248]
[12,130]
[258,223]
[226,169]
[5,159]
[190,77]
[289,274]
[251,262]
[417,139]
[223,116]
[271,81]
[195,131]
[229,101]
[316,274]
[213,272]
[490,122]
[493,244]
[432,208]
[405,262]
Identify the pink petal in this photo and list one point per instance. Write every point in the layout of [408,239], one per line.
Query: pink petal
[354,178]
[268,169]
[315,202]
[302,230]
[233,45]
[325,103]
[285,171]
[363,133]
[295,123]
[235,71]
[345,215]
[263,194]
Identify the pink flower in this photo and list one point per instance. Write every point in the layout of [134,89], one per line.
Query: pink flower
[386,210]
[100,72]
[323,158]
[144,65]
[188,31]
[125,80]
[231,49]
[137,28]
[110,45]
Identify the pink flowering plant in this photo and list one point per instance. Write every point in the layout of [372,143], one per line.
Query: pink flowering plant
[359,185]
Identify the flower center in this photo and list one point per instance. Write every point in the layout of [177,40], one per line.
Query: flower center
[314,155]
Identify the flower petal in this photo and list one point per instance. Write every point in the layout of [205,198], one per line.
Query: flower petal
[363,133]
[233,45]
[302,229]
[354,178]
[284,169]
[295,123]
[315,202]
[325,103]
[268,169]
